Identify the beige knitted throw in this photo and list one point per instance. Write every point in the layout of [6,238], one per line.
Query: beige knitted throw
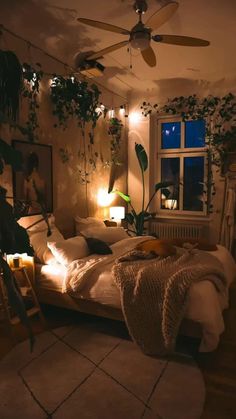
[154,294]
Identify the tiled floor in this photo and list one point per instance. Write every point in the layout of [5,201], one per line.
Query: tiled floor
[80,372]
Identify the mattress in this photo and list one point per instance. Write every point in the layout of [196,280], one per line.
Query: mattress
[205,304]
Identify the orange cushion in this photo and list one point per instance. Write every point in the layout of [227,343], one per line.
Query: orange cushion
[159,247]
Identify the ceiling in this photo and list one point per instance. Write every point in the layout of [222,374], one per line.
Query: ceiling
[52,24]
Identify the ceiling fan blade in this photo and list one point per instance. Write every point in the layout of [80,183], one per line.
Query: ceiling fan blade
[162,15]
[187,41]
[103,25]
[106,50]
[149,57]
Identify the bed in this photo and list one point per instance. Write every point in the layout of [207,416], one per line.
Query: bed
[100,295]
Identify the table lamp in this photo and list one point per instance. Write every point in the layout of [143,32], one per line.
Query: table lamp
[117,214]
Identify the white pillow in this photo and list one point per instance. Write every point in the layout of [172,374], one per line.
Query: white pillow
[109,235]
[39,242]
[68,250]
[84,223]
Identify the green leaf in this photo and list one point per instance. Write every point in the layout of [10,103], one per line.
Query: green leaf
[141,156]
[129,218]
[122,195]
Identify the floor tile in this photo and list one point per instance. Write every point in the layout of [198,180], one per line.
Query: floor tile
[62,331]
[180,391]
[100,397]
[20,355]
[16,401]
[94,344]
[136,371]
[55,374]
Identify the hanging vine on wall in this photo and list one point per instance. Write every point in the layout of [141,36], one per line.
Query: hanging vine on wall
[114,130]
[75,100]
[32,77]
[219,114]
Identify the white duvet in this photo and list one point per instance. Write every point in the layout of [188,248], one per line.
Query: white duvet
[91,278]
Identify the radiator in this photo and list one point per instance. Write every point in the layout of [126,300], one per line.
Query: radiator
[180,231]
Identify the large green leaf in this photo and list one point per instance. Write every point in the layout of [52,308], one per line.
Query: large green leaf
[141,156]
[122,195]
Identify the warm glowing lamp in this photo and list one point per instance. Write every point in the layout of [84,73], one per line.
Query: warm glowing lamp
[117,214]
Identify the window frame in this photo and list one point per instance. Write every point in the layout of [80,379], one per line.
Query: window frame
[180,153]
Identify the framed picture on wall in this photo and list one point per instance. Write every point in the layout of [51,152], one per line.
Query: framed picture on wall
[34,182]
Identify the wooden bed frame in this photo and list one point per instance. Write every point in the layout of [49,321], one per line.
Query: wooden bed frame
[56,298]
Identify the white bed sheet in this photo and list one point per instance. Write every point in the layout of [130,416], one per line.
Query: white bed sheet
[205,304]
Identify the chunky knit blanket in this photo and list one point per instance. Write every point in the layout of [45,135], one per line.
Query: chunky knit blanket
[154,293]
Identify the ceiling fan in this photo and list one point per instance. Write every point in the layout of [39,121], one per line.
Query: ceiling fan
[140,35]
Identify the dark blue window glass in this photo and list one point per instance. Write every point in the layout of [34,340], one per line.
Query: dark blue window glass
[170,135]
[193,183]
[170,171]
[195,133]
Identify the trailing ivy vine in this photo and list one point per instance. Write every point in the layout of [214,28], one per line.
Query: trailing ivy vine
[114,130]
[75,99]
[219,114]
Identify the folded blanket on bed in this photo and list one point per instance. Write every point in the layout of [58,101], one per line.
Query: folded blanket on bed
[154,294]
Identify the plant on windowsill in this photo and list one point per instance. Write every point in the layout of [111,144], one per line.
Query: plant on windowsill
[134,218]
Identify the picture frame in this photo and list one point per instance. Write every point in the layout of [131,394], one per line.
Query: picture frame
[36,178]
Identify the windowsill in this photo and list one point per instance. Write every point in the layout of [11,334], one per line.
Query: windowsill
[184,217]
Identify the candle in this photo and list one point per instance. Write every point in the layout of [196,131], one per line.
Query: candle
[22,260]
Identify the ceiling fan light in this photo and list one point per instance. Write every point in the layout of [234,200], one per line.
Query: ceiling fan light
[140,41]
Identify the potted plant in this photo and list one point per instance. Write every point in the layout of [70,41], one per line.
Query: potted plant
[134,218]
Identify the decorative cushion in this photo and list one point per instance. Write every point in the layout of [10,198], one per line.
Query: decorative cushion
[159,247]
[66,251]
[98,246]
[39,242]
[109,235]
[84,223]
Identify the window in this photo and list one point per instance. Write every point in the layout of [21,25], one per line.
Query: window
[182,159]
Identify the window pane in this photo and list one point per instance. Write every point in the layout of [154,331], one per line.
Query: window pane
[195,133]
[170,169]
[193,188]
[170,135]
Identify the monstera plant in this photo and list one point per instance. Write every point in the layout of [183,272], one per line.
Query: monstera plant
[134,218]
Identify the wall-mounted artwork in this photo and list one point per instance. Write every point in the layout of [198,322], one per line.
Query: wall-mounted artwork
[34,183]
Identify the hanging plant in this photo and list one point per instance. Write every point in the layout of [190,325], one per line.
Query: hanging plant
[75,99]
[32,77]
[10,85]
[219,114]
[114,130]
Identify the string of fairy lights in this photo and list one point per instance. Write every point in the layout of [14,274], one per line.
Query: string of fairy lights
[113,111]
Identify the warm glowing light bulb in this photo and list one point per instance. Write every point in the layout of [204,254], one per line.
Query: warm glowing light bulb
[104,199]
[111,113]
[134,117]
